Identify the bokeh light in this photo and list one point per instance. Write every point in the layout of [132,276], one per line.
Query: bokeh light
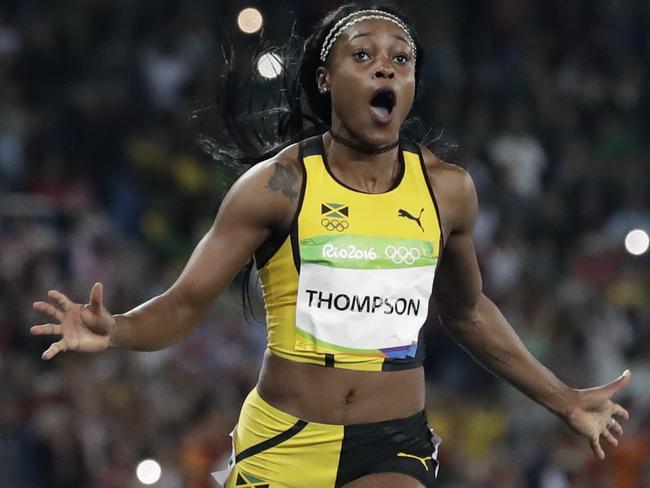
[269,65]
[637,242]
[250,20]
[148,472]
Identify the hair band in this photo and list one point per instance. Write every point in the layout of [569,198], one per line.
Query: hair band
[359,16]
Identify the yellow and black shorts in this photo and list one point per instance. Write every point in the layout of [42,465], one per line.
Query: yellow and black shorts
[273,449]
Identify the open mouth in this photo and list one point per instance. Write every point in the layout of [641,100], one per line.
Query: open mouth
[382,103]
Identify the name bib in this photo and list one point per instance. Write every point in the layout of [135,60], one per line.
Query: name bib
[363,295]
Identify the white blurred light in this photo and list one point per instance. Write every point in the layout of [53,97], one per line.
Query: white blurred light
[148,472]
[250,20]
[269,65]
[637,242]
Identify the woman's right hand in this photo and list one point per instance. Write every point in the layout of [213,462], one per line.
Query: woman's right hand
[85,328]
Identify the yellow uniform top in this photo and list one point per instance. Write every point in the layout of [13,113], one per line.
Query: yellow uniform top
[350,285]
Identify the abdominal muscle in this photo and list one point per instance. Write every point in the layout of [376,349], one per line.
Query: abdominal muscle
[339,396]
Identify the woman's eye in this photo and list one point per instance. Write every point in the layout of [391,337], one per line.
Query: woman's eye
[361,56]
[401,59]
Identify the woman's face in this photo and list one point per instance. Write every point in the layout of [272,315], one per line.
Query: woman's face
[370,75]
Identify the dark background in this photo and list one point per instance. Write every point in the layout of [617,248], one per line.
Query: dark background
[546,103]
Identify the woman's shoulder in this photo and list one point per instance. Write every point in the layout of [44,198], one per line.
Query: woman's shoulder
[281,172]
[453,189]
[443,172]
[270,189]
[288,157]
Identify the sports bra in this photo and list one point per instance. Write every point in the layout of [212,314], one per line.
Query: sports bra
[349,286]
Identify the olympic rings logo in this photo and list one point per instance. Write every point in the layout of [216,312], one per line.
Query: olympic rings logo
[402,254]
[334,224]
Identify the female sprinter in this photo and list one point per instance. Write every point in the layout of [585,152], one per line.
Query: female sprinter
[348,230]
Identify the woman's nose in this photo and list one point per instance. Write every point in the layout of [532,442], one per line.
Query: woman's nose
[384,70]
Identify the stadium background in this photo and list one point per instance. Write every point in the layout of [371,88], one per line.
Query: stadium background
[546,103]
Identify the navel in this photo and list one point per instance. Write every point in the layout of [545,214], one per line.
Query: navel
[349,398]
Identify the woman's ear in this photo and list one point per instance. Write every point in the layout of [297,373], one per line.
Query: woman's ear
[323,80]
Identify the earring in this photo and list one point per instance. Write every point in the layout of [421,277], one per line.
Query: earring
[323,90]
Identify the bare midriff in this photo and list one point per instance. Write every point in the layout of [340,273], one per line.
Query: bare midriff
[340,396]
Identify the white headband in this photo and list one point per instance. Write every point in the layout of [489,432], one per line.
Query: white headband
[359,16]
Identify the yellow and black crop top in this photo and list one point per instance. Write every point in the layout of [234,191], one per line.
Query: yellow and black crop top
[350,285]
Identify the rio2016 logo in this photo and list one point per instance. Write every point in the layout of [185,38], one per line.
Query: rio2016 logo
[348,252]
[402,254]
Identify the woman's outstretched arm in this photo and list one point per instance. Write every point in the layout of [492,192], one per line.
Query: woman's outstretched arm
[475,323]
[259,203]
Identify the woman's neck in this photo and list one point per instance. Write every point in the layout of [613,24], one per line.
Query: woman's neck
[354,166]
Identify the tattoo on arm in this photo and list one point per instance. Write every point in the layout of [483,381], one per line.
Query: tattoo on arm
[283,180]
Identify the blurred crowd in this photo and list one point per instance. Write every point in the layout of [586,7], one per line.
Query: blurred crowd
[101,180]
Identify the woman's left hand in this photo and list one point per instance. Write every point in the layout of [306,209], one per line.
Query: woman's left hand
[595,414]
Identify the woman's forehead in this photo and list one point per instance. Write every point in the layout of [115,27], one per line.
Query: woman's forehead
[375,28]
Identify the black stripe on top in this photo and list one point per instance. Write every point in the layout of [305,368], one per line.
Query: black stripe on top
[305,148]
[329,360]
[425,175]
[312,146]
[281,238]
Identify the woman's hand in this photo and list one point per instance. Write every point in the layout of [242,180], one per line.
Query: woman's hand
[594,414]
[85,328]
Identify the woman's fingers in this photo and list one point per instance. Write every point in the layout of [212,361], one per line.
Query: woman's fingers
[609,437]
[74,332]
[64,302]
[597,406]
[46,329]
[615,428]
[622,381]
[620,412]
[49,309]
[55,349]
[96,297]
[598,451]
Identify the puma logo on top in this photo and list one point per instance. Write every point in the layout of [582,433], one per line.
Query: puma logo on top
[404,213]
